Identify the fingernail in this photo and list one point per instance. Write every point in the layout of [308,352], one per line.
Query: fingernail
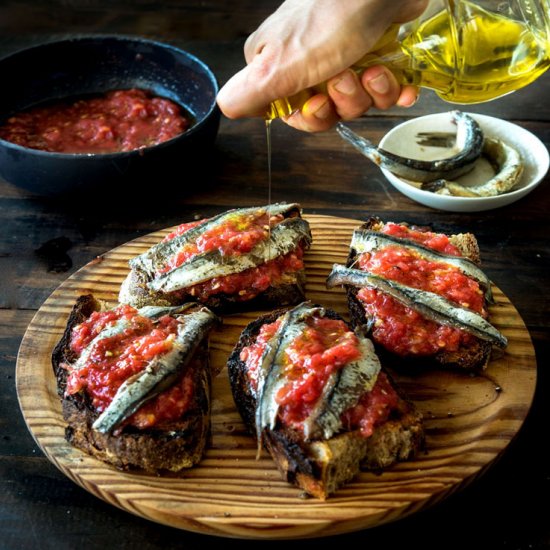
[321,111]
[346,85]
[380,84]
[408,103]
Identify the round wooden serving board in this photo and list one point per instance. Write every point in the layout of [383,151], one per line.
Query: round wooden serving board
[469,421]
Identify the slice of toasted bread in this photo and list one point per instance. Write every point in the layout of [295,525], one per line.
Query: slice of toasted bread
[286,288]
[289,290]
[321,466]
[169,445]
[475,356]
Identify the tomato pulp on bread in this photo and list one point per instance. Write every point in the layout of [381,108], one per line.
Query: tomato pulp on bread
[401,329]
[236,236]
[325,346]
[114,359]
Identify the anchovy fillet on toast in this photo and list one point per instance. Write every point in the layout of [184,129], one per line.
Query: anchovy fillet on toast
[242,258]
[421,296]
[135,384]
[314,394]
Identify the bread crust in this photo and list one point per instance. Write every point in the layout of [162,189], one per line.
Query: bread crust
[474,357]
[320,467]
[291,290]
[170,446]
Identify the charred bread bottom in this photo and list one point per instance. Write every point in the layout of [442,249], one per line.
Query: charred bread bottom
[169,446]
[319,466]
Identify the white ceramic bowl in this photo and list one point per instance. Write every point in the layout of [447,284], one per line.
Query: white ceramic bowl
[403,139]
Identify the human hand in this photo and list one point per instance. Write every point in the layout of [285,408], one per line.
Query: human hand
[350,95]
[306,42]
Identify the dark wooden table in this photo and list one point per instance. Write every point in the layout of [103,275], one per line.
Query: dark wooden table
[506,508]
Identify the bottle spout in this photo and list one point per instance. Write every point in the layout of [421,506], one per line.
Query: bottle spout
[285,106]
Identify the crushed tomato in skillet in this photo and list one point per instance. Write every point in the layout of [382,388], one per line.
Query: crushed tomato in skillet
[117,121]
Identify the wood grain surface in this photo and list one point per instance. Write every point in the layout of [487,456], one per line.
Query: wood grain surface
[469,421]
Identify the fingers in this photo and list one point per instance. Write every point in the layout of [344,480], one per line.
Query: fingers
[317,115]
[382,86]
[240,96]
[351,99]
[350,96]
[408,96]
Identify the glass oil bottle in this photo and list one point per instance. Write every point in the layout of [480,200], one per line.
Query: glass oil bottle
[467,52]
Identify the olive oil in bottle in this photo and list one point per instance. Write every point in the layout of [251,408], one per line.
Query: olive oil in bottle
[465,52]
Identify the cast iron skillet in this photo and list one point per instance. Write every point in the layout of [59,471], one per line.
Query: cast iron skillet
[85,65]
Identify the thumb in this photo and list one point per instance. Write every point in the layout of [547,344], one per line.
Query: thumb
[266,78]
[239,96]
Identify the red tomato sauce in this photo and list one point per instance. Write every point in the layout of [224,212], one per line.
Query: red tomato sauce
[238,235]
[116,358]
[249,283]
[117,121]
[374,407]
[401,329]
[436,241]
[181,229]
[168,406]
[325,346]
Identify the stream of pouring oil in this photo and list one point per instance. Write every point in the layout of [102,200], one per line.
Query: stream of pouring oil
[268,141]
